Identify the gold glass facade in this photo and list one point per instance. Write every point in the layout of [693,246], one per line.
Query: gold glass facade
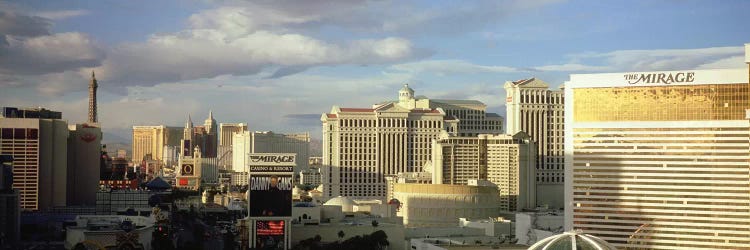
[663,188]
[661,103]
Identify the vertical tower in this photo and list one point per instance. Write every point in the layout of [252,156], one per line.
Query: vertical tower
[535,109]
[210,123]
[92,98]
[210,139]
[187,132]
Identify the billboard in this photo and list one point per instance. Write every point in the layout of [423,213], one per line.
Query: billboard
[269,234]
[271,184]
[271,195]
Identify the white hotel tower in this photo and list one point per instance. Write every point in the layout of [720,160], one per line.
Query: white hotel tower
[363,145]
[659,160]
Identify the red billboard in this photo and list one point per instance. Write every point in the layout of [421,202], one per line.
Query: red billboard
[269,234]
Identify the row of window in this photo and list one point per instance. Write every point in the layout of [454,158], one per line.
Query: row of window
[19,133]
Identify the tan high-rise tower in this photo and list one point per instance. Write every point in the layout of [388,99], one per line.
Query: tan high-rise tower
[537,110]
[92,98]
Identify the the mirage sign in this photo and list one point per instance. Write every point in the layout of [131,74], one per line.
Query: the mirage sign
[272,159]
[662,78]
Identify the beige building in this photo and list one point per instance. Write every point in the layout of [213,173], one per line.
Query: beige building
[436,205]
[84,152]
[311,176]
[412,177]
[505,160]
[533,108]
[269,142]
[40,159]
[361,146]
[225,149]
[659,160]
[152,139]
[227,130]
[189,174]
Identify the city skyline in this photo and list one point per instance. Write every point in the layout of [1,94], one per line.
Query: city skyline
[324,55]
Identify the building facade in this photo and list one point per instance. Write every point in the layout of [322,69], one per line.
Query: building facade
[533,108]
[508,161]
[84,151]
[659,160]
[37,141]
[10,206]
[152,139]
[361,146]
[227,130]
[436,205]
[311,176]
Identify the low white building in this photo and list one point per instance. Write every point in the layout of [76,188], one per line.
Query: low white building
[110,231]
[340,215]
[534,226]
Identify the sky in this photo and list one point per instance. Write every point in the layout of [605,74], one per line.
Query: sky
[279,64]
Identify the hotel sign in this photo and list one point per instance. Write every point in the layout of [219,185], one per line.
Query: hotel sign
[663,78]
[272,158]
[266,159]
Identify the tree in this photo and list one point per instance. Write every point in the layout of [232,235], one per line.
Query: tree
[341,234]
[380,239]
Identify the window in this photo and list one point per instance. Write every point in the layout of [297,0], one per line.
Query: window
[20,133]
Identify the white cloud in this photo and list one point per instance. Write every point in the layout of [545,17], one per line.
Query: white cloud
[213,51]
[572,67]
[725,63]
[444,67]
[61,14]
[661,59]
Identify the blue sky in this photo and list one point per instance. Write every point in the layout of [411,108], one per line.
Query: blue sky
[279,64]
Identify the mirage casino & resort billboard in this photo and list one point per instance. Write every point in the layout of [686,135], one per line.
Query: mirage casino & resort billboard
[271,184]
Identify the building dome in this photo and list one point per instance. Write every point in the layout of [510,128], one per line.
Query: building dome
[346,204]
[572,240]
[405,93]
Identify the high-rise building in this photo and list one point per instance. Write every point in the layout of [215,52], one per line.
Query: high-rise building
[533,108]
[93,85]
[363,145]
[508,161]
[269,142]
[227,130]
[152,139]
[659,160]
[198,162]
[10,206]
[208,138]
[226,134]
[37,141]
[84,151]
